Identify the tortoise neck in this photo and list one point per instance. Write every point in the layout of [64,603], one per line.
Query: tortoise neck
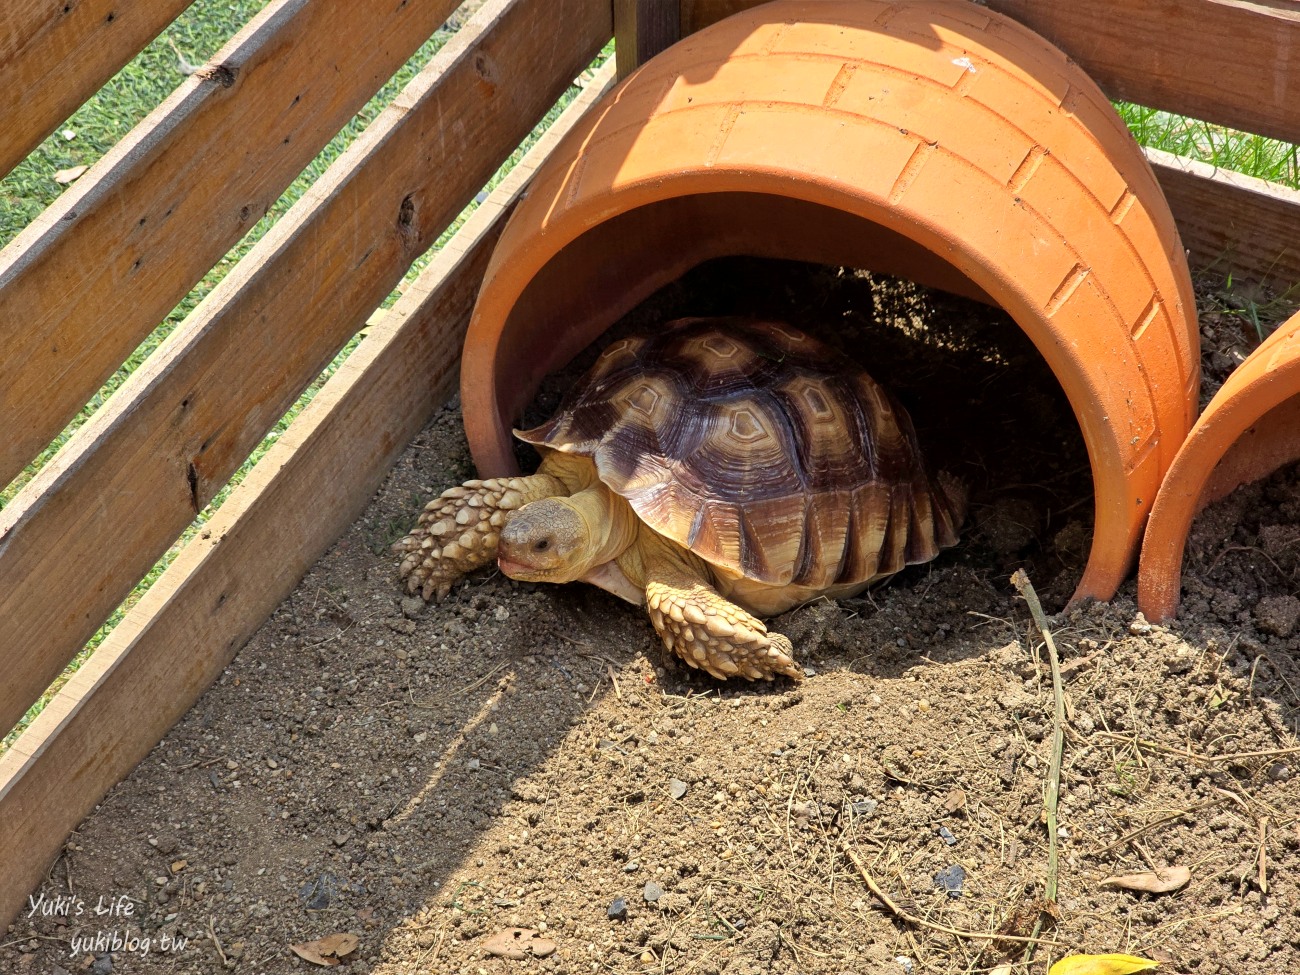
[574,471]
[609,519]
[652,549]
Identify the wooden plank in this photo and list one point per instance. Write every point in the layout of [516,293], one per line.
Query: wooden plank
[1232,62]
[87,282]
[76,539]
[1232,222]
[698,14]
[643,28]
[256,548]
[53,56]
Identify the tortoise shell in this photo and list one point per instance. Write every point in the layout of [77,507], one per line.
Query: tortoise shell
[762,450]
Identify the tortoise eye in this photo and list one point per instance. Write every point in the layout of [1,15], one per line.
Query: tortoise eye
[542,546]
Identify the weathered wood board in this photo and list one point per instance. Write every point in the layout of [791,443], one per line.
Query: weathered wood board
[83,286]
[87,528]
[253,552]
[643,28]
[53,56]
[1232,222]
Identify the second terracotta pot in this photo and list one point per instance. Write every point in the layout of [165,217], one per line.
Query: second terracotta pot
[1250,429]
[934,140]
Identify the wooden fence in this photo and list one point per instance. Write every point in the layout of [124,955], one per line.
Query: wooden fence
[95,273]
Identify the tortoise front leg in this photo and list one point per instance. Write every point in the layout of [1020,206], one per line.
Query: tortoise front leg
[458,530]
[708,631]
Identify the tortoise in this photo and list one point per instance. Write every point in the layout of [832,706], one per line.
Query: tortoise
[715,471]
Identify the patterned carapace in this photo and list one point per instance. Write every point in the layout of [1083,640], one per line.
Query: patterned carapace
[762,450]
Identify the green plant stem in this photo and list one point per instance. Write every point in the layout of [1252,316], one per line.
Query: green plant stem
[1052,789]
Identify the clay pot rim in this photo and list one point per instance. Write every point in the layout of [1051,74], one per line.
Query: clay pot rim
[1256,387]
[495,303]
[1251,390]
[1111,482]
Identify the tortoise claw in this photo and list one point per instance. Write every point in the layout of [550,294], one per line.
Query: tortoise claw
[458,530]
[717,636]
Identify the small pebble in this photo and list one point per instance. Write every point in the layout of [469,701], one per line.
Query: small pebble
[948,838]
[473,765]
[652,892]
[676,788]
[412,606]
[905,962]
[632,867]
[865,807]
[951,879]
[617,910]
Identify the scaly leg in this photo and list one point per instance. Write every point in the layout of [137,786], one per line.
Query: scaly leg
[708,631]
[458,531]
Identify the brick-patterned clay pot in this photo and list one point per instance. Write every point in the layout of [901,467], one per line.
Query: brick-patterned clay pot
[1250,429]
[935,140]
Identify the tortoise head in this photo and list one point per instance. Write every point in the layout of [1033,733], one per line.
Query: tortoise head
[548,541]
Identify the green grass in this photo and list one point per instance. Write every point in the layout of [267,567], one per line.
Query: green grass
[127,99]
[1226,148]
[123,102]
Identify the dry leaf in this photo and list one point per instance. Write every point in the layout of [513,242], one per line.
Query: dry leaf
[338,945]
[956,800]
[1101,965]
[1160,881]
[1003,969]
[307,952]
[518,944]
[326,951]
[65,176]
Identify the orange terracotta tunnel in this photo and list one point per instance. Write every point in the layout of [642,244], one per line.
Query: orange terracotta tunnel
[1249,429]
[932,140]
